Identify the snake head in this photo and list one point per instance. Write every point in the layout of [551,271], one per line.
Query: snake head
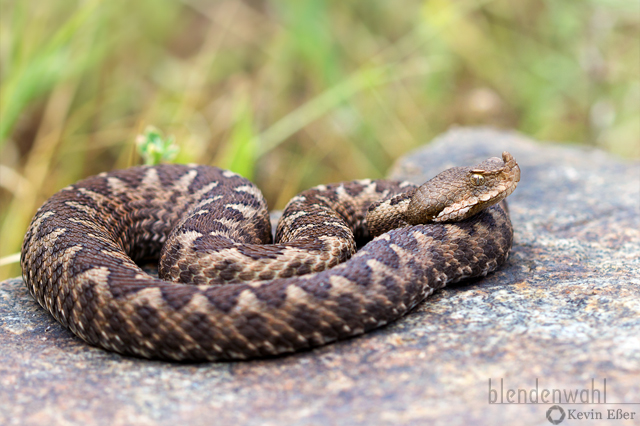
[461,192]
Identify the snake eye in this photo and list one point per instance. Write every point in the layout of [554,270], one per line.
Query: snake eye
[477,179]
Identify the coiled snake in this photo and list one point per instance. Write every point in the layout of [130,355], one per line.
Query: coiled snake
[242,299]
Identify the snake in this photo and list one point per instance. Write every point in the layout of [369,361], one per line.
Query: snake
[347,257]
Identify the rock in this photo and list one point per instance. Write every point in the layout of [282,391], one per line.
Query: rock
[563,313]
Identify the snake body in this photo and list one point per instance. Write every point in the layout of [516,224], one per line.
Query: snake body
[224,294]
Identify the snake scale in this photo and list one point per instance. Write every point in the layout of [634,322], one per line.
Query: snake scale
[241,298]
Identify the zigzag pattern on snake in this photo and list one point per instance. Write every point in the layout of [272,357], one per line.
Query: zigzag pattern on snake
[240,298]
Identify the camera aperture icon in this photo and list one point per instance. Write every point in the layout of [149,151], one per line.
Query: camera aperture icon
[555,414]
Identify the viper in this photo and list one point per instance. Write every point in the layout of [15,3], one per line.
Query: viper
[224,290]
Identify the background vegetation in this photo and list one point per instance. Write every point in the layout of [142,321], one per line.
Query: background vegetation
[294,93]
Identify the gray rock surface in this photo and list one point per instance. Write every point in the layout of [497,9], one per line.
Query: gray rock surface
[564,310]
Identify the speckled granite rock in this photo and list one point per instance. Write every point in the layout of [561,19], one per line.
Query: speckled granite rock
[564,310]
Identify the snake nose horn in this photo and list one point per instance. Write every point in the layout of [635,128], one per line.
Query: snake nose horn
[511,166]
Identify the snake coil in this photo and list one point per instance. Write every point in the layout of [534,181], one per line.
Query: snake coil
[224,294]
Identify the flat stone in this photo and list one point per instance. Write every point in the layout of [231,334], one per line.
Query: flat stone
[563,313]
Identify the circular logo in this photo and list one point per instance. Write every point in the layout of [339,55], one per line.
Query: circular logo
[555,415]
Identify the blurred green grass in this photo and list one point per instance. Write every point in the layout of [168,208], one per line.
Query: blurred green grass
[295,93]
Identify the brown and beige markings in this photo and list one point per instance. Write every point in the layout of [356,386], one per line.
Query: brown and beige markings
[226,292]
